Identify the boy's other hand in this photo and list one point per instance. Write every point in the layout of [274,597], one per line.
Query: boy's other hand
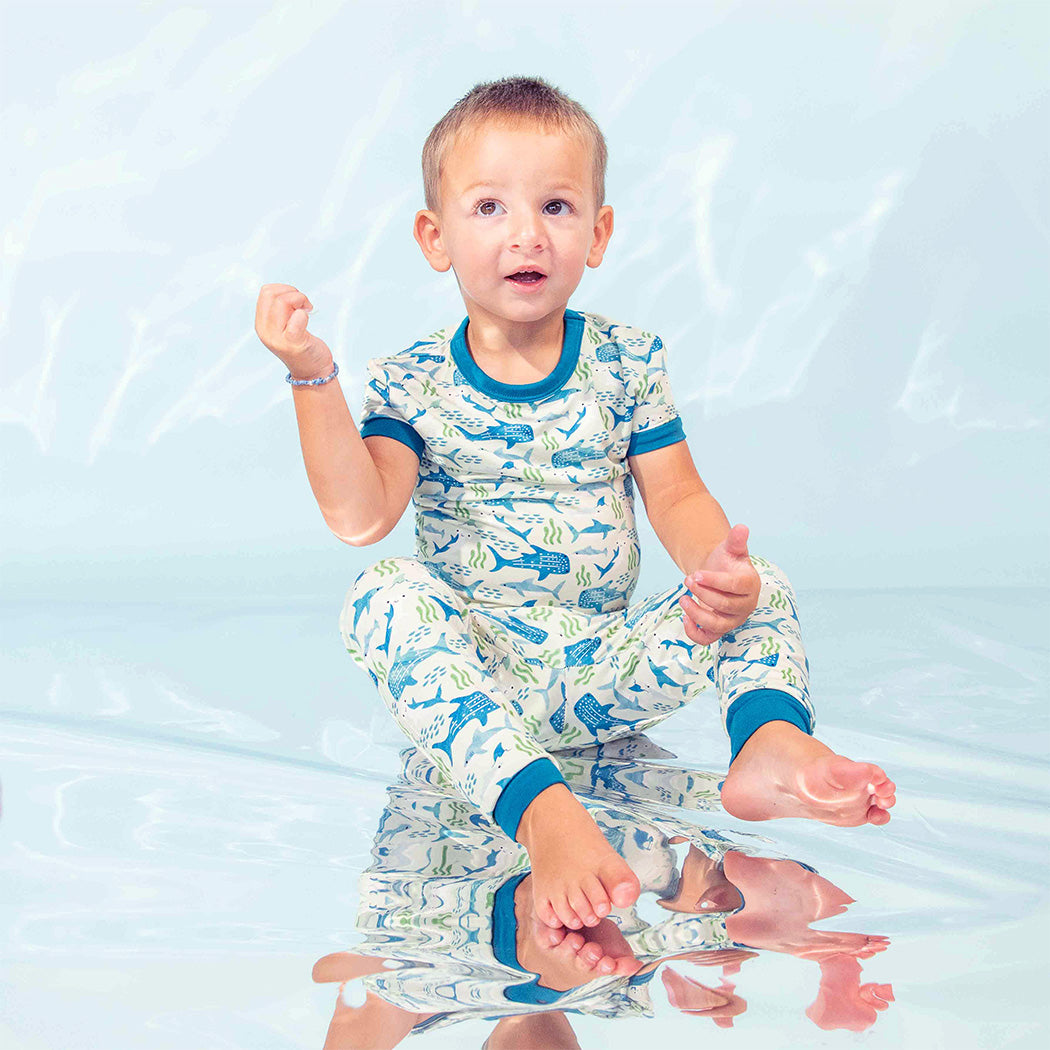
[281,314]
[725,590]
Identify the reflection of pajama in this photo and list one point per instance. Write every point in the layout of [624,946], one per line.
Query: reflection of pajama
[511,633]
[437,900]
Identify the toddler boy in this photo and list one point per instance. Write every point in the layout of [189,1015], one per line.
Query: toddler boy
[519,434]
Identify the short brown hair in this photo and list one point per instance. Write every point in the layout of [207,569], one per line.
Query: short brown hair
[512,99]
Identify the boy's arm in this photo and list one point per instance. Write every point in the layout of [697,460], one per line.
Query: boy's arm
[686,518]
[361,489]
[362,485]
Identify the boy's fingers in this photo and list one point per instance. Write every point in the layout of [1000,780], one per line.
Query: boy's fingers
[717,601]
[727,582]
[700,626]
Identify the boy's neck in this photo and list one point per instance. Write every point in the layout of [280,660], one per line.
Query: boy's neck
[496,337]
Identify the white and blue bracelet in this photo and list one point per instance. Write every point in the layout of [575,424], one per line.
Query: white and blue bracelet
[313,382]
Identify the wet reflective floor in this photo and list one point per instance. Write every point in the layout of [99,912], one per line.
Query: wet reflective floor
[213,835]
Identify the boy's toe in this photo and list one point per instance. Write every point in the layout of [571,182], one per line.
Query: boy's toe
[597,898]
[581,906]
[567,914]
[573,942]
[623,889]
[547,915]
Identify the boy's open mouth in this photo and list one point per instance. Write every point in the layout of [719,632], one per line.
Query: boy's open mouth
[526,277]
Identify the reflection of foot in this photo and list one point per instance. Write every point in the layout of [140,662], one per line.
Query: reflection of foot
[699,1000]
[843,1002]
[576,875]
[781,899]
[563,958]
[783,772]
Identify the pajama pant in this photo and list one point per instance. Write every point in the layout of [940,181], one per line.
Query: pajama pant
[487,692]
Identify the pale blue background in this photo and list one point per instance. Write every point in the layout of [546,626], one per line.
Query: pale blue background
[835,214]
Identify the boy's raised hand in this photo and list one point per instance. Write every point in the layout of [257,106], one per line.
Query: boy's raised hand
[725,590]
[281,314]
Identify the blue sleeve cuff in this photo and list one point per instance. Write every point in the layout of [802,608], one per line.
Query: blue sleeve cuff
[656,437]
[758,707]
[398,429]
[524,786]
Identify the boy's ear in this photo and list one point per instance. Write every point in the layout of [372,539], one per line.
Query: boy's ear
[427,231]
[603,228]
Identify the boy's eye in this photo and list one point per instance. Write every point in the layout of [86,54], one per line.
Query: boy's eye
[556,207]
[487,207]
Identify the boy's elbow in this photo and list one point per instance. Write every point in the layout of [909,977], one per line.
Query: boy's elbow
[358,539]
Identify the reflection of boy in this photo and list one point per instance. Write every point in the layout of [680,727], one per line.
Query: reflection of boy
[514,175]
[423,908]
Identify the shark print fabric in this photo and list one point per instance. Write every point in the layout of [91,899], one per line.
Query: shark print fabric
[524,494]
[511,633]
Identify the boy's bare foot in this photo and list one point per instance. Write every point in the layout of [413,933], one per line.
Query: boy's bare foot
[564,958]
[783,772]
[576,875]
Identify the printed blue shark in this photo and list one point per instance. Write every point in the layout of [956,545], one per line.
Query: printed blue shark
[385,647]
[617,417]
[661,678]
[361,604]
[450,612]
[597,598]
[579,419]
[542,561]
[439,477]
[507,504]
[769,661]
[441,550]
[526,630]
[469,706]
[580,652]
[595,527]
[596,716]
[401,668]
[442,573]
[773,624]
[512,433]
[574,457]
[557,719]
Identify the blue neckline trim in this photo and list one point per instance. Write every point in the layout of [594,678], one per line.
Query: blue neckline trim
[572,337]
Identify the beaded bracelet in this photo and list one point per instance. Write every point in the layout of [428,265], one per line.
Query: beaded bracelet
[313,382]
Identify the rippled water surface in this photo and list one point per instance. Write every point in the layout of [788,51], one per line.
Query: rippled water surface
[211,825]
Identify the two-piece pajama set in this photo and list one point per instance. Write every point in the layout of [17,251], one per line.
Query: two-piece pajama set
[511,634]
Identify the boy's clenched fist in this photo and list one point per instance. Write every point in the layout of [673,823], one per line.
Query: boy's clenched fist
[281,314]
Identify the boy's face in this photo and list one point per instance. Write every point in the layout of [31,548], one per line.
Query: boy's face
[516,198]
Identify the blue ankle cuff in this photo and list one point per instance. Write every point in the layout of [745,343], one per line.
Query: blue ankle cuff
[505,948]
[504,945]
[524,786]
[758,707]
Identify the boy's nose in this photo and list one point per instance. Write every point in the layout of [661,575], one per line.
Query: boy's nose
[527,236]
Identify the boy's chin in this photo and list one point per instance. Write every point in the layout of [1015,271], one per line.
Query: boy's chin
[518,313]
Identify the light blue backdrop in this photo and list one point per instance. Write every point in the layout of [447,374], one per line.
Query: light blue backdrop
[836,215]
